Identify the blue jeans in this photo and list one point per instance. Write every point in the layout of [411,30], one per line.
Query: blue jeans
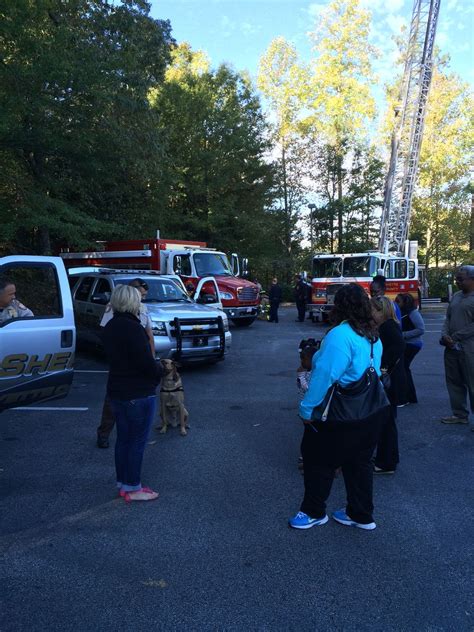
[133,419]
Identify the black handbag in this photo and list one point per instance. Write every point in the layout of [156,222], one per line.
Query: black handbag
[356,401]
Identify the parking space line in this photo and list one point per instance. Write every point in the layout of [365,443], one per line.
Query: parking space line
[79,409]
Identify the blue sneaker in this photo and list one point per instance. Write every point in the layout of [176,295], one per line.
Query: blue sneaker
[303,521]
[341,517]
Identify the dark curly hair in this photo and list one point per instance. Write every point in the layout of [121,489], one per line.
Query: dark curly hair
[351,304]
[406,303]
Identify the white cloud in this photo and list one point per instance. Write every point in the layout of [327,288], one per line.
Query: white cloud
[248,29]
[395,23]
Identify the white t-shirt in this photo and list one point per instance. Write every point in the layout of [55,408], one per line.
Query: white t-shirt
[145,319]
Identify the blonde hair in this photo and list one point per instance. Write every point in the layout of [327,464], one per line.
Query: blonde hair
[126,298]
[384,305]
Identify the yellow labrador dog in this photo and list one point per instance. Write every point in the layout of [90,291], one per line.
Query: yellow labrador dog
[172,399]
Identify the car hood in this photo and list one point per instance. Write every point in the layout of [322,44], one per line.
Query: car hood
[168,311]
[233,283]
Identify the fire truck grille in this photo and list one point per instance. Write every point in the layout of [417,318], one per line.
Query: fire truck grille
[331,290]
[247,294]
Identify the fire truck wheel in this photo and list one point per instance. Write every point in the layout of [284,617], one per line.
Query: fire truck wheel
[243,322]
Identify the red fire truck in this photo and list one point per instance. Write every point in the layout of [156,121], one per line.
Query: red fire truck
[191,260]
[332,271]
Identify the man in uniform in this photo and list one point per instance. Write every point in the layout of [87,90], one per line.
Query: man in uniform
[457,336]
[10,307]
[301,292]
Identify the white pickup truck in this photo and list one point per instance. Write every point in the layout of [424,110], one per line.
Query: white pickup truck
[36,349]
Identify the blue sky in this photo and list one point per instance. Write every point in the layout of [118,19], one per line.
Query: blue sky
[239,31]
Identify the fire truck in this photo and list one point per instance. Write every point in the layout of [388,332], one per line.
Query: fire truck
[191,260]
[396,257]
[332,271]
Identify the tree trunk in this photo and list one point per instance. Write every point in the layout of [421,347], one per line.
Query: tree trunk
[44,241]
[471,232]
[340,209]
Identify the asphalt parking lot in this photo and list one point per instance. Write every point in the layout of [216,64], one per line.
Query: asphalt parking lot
[214,552]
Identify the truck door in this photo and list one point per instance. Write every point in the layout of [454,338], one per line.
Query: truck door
[203,293]
[37,331]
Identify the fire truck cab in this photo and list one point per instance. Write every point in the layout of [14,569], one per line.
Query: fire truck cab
[191,260]
[330,271]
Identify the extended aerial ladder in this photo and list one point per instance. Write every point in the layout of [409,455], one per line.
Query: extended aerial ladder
[408,130]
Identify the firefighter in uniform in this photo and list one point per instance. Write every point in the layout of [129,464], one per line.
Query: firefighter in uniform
[10,307]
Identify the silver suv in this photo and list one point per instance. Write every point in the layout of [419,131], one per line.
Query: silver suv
[183,328]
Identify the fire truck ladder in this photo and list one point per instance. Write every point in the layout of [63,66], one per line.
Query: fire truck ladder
[408,130]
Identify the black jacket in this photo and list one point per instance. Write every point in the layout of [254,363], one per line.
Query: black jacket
[301,292]
[133,372]
[392,359]
[274,295]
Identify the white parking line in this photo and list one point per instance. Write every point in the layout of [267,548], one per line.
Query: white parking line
[62,408]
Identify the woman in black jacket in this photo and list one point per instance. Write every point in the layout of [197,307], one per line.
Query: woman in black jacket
[383,313]
[134,375]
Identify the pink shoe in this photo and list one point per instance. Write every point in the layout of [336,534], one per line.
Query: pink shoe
[143,494]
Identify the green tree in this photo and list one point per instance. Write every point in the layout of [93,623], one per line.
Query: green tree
[283,80]
[216,181]
[341,104]
[79,155]
[441,205]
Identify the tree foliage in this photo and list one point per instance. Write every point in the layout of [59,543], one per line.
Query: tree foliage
[78,147]
[442,204]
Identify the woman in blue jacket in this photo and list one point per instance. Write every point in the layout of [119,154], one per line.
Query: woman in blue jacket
[344,357]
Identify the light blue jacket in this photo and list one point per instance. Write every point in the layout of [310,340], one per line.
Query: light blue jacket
[343,358]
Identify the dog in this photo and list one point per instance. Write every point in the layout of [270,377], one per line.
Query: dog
[172,399]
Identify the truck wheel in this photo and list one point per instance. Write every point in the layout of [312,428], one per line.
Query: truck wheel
[243,322]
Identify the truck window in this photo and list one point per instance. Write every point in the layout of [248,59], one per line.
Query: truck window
[396,269]
[36,289]
[102,292]
[360,266]
[182,265]
[411,269]
[84,288]
[330,267]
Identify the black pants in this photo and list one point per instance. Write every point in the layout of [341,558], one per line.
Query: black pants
[350,448]
[387,456]
[273,316]
[301,307]
[107,421]
[410,353]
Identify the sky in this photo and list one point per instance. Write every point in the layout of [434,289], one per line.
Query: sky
[239,31]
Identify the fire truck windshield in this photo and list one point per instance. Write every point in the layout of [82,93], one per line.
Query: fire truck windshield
[360,266]
[211,264]
[329,267]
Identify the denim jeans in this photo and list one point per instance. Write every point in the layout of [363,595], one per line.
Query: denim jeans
[133,419]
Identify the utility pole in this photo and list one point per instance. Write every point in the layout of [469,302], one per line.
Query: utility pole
[311,211]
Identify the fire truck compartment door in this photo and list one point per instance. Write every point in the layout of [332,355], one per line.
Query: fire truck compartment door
[37,337]
[204,297]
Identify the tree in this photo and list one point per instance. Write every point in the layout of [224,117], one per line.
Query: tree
[216,180]
[283,80]
[79,156]
[341,104]
[441,205]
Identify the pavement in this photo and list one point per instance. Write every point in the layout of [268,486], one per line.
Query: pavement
[214,552]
